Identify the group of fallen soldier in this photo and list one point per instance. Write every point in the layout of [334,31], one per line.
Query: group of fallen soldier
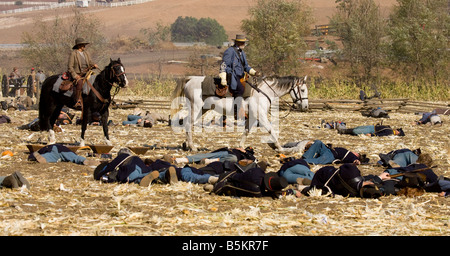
[237,172]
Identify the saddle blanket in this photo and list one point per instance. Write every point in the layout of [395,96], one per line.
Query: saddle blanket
[209,87]
[86,87]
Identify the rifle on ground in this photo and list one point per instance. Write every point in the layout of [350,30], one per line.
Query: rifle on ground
[413,171]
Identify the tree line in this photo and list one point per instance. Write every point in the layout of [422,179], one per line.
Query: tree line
[413,41]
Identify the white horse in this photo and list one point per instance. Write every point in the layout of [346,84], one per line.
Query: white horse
[265,97]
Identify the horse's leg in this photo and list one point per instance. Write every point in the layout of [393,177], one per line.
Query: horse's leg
[273,139]
[193,120]
[258,111]
[104,120]
[249,124]
[51,122]
[190,129]
[84,123]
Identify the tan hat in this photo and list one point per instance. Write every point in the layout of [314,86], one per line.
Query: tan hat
[79,41]
[240,38]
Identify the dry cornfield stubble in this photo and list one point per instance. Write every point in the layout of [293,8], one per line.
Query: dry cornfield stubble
[64,199]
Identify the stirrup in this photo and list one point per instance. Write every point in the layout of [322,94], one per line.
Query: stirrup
[78,104]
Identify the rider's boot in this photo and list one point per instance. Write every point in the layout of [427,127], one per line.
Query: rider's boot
[78,98]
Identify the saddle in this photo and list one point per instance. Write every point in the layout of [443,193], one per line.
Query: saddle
[211,86]
[64,85]
[67,83]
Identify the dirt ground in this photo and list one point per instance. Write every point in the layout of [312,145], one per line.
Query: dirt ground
[64,199]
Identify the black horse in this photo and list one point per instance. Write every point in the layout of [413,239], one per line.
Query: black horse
[98,100]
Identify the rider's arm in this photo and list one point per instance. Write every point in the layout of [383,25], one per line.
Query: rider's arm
[71,64]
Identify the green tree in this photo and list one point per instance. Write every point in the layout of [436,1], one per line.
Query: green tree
[48,47]
[184,29]
[190,29]
[361,29]
[277,30]
[419,33]
[211,31]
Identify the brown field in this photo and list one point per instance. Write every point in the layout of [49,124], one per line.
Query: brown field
[64,199]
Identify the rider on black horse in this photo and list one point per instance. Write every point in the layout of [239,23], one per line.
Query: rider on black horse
[79,63]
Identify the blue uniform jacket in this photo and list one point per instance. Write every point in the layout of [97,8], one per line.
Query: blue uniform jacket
[235,65]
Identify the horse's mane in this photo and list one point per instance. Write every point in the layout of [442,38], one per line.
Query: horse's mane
[280,81]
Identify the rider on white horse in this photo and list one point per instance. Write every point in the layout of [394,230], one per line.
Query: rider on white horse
[233,70]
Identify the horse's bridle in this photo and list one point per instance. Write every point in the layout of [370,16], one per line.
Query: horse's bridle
[298,96]
[104,101]
[292,89]
[117,75]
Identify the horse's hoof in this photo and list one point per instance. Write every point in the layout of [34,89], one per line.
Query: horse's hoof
[109,143]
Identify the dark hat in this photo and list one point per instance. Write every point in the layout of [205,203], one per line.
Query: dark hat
[250,150]
[240,38]
[98,170]
[351,175]
[370,191]
[79,41]
[125,151]
[148,123]
[400,132]
[263,165]
[273,182]
[363,159]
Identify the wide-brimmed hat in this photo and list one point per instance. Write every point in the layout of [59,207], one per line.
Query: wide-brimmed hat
[240,38]
[79,41]
[273,182]
[98,170]
[351,175]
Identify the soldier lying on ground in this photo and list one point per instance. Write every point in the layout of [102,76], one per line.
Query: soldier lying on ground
[222,155]
[59,153]
[400,157]
[254,182]
[147,120]
[430,118]
[373,130]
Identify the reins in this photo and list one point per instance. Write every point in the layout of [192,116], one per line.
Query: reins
[117,88]
[96,92]
[290,108]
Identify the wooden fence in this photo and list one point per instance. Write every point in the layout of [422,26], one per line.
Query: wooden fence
[402,105]
[37,6]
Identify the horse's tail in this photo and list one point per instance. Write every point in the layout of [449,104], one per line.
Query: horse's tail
[178,95]
[45,102]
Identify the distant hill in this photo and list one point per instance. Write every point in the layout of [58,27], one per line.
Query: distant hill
[129,20]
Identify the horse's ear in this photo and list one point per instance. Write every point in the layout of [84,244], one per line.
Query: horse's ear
[304,80]
[110,60]
[119,60]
